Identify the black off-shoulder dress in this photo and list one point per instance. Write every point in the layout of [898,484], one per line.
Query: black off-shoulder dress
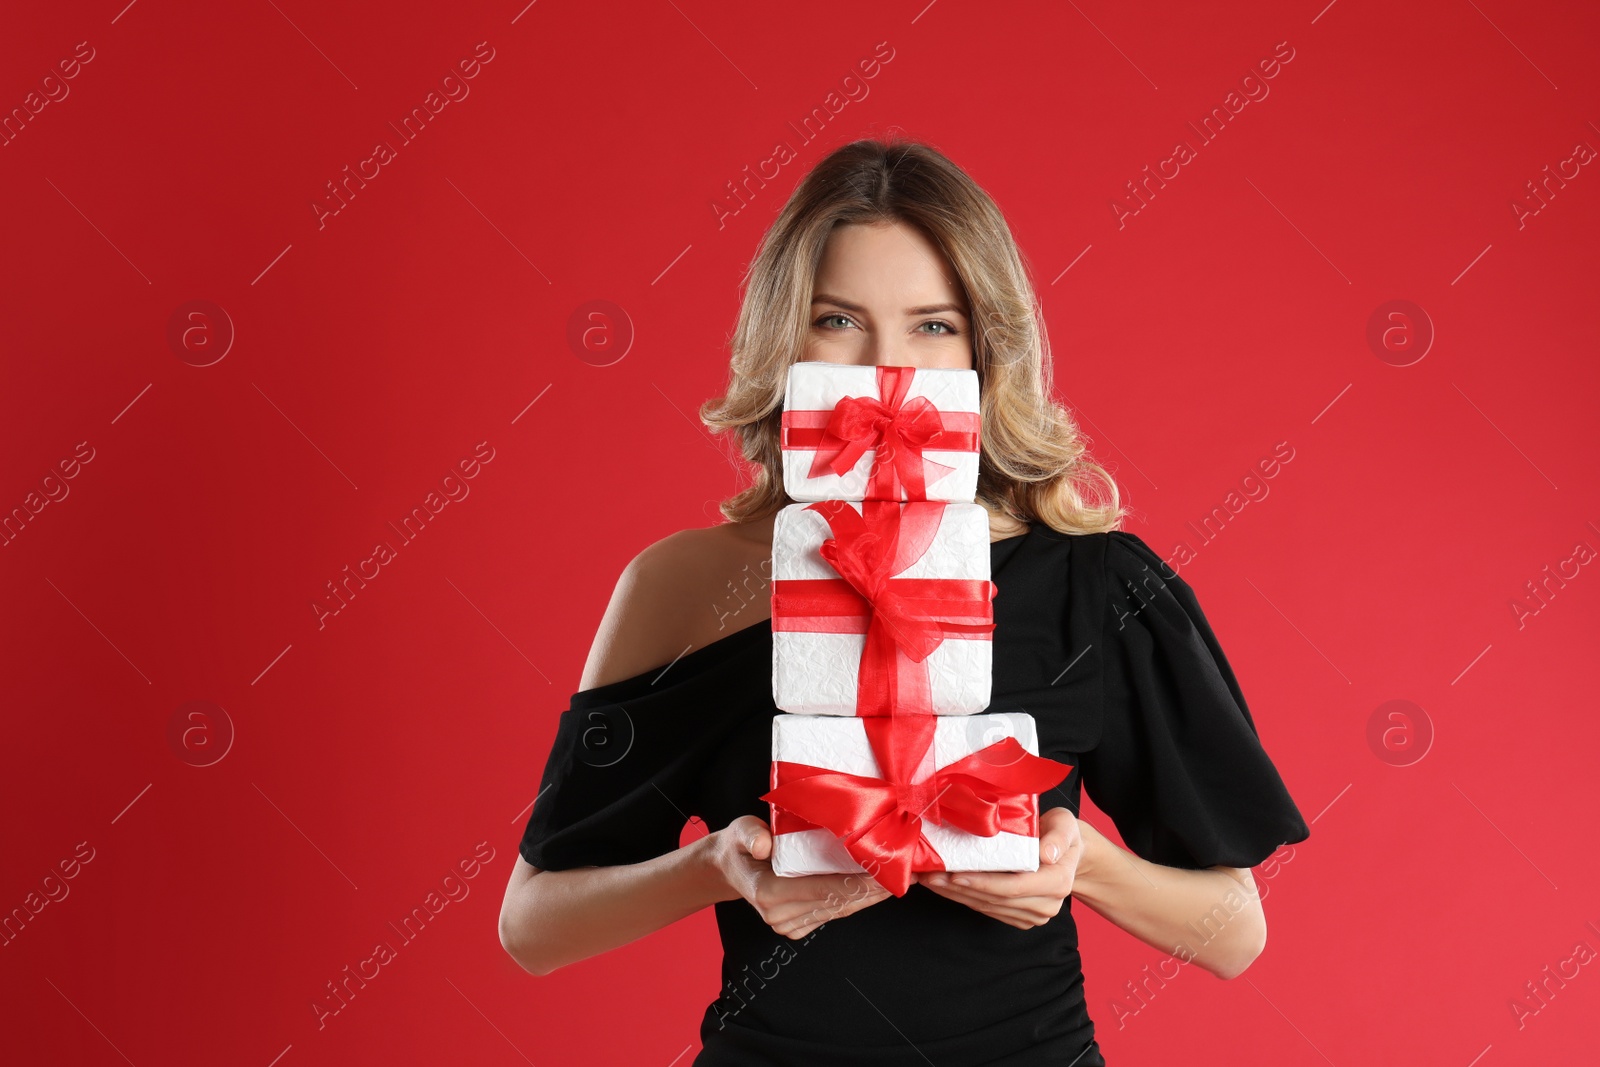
[1105,647]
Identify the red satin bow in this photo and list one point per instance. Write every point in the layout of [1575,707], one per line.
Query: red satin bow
[904,619]
[879,820]
[895,428]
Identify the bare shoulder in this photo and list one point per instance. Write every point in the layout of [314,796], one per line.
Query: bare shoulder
[681,593]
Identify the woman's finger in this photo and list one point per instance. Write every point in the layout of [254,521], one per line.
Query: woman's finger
[1056,839]
[753,835]
[1002,885]
[1030,904]
[790,902]
[797,918]
[1003,912]
[1034,909]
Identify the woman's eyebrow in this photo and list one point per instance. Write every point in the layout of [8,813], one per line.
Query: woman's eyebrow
[928,309]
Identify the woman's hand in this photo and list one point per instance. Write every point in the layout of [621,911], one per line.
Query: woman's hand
[1023,899]
[793,907]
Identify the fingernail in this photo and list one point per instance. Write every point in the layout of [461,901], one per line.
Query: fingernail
[963,881]
[1055,853]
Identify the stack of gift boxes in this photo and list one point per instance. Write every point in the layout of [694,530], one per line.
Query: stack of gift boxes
[882,627]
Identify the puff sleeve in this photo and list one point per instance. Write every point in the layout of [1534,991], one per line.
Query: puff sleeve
[1179,767]
[621,778]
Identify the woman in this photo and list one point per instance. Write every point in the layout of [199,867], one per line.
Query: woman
[890,254]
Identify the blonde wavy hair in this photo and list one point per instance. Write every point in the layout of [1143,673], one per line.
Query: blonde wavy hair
[1033,461]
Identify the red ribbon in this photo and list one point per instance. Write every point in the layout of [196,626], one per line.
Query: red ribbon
[880,820]
[904,619]
[896,429]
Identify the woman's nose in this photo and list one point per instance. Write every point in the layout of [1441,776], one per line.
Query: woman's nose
[886,352]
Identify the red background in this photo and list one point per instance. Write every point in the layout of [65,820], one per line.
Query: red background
[373,752]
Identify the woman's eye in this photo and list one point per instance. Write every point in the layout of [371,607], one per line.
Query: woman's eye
[839,320]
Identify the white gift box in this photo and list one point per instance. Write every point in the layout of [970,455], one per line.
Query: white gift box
[841,745]
[816,673]
[949,461]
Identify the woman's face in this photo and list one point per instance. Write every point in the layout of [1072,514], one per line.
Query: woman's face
[886,296]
